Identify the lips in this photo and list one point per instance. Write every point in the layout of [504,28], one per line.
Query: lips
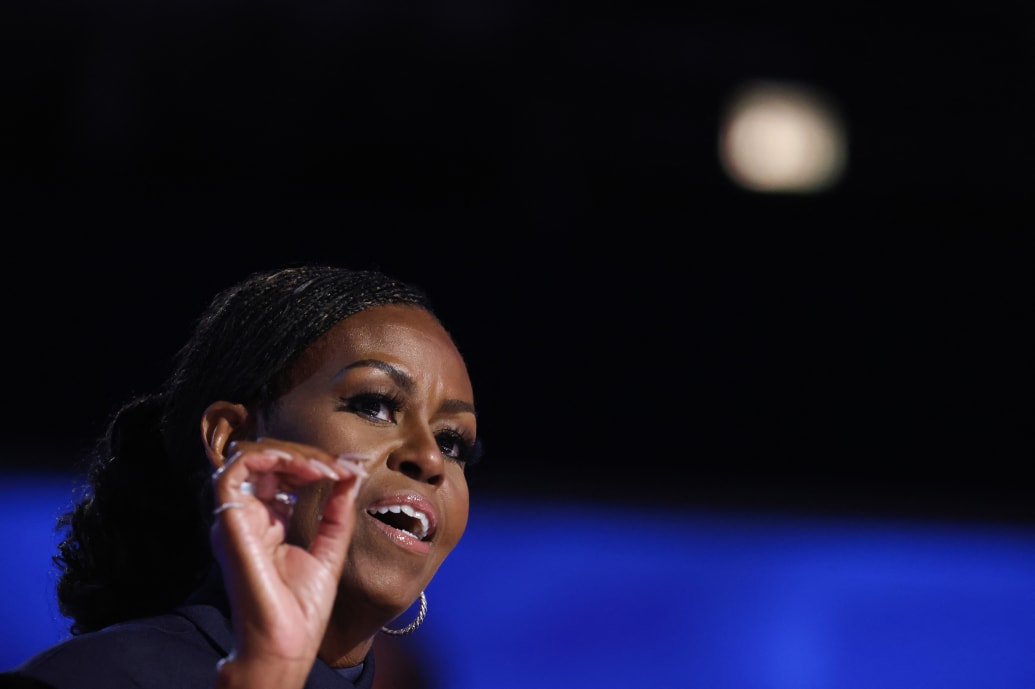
[408,515]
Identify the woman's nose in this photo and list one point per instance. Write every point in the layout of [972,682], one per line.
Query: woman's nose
[419,457]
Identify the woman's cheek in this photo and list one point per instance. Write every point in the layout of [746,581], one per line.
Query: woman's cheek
[306,514]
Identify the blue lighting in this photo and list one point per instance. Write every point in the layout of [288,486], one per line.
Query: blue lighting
[585,595]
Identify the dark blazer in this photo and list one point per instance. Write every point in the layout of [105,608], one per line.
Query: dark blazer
[178,650]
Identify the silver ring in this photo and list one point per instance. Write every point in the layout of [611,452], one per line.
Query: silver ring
[281,496]
[285,498]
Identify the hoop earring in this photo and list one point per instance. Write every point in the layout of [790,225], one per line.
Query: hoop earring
[412,626]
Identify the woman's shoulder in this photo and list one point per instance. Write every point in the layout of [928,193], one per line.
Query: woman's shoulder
[153,653]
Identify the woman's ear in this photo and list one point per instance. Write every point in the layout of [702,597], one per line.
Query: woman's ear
[222,422]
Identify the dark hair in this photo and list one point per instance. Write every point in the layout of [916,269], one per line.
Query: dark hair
[137,542]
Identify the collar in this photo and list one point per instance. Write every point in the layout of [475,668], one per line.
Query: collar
[208,608]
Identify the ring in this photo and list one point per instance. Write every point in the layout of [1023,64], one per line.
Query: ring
[281,496]
[285,498]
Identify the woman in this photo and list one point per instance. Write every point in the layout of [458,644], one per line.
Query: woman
[289,491]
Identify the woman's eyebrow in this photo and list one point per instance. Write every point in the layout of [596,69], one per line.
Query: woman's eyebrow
[398,376]
[452,406]
[403,380]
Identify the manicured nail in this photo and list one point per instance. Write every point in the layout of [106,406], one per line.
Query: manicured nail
[356,483]
[279,454]
[324,469]
[357,457]
[353,464]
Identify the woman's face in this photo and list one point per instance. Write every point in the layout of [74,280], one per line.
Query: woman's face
[387,384]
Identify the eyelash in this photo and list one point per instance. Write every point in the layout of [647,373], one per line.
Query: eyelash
[468,451]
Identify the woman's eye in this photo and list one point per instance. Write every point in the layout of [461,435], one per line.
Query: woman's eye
[456,446]
[450,445]
[377,407]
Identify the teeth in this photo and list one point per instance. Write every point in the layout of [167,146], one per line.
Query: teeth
[419,516]
[410,512]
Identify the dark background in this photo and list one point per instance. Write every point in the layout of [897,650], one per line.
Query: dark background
[638,329]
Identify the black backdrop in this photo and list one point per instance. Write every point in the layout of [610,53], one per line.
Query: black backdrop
[638,328]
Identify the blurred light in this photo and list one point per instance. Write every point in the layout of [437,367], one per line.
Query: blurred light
[810,602]
[782,138]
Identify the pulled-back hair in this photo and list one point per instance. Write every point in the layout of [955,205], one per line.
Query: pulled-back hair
[137,542]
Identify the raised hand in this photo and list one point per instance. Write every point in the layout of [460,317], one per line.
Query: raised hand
[281,592]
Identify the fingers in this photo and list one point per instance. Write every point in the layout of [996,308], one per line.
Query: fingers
[262,471]
[275,585]
[262,477]
[253,518]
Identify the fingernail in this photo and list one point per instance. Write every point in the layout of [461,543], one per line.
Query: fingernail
[348,461]
[356,483]
[279,454]
[324,469]
[357,457]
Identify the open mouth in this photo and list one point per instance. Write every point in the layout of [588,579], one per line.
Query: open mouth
[403,518]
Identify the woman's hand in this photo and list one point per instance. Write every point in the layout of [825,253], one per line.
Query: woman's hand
[280,594]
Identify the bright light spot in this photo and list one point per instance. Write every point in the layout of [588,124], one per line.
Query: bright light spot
[782,138]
